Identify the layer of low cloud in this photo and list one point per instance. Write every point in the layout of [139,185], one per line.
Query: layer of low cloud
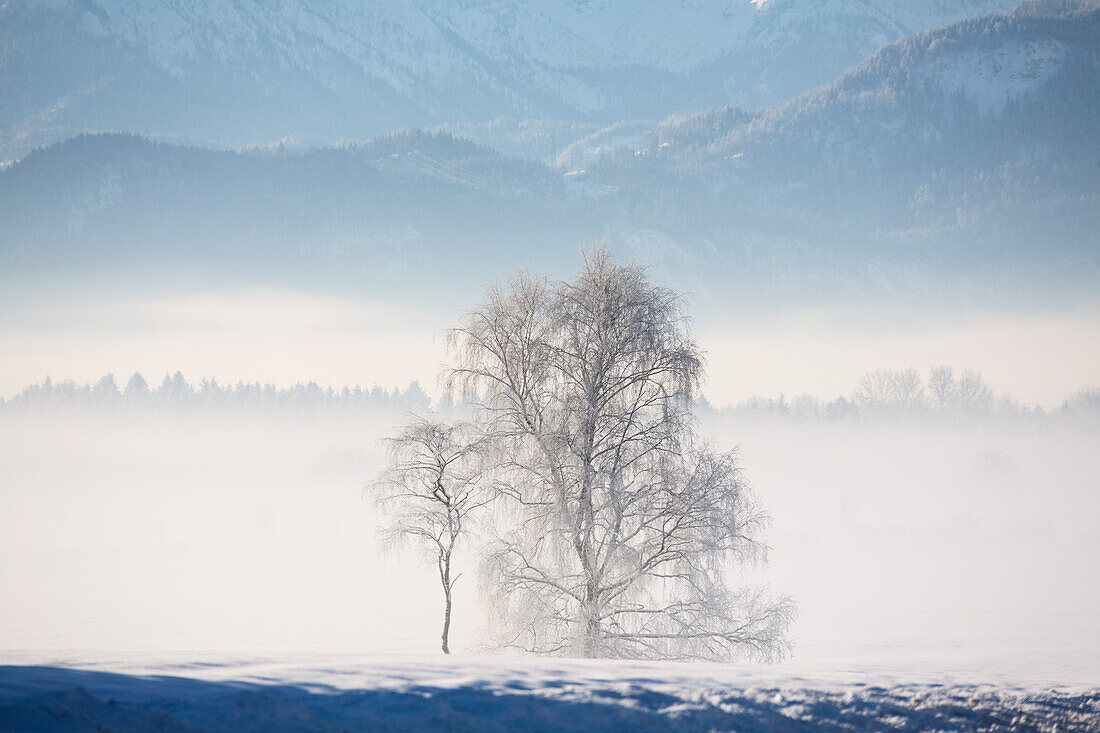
[284,337]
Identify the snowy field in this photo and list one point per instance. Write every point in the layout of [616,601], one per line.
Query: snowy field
[493,693]
[214,572]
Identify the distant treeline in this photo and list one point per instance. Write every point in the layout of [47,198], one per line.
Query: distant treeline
[175,393]
[879,395]
[904,394]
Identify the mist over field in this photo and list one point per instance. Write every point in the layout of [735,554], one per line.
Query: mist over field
[955,547]
[739,358]
[244,334]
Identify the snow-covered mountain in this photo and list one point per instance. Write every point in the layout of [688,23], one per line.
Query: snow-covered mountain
[243,71]
[986,128]
[961,152]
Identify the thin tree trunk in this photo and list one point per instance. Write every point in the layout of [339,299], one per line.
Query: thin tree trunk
[445,577]
[447,624]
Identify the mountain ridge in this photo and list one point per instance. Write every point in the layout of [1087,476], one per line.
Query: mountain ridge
[893,177]
[238,72]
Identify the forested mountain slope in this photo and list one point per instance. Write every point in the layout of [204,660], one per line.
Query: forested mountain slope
[965,154]
[391,206]
[977,140]
[243,72]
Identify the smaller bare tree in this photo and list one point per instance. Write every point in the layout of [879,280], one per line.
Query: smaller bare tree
[875,389]
[429,491]
[973,393]
[941,383]
[907,389]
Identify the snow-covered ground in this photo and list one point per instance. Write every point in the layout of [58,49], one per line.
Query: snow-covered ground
[340,692]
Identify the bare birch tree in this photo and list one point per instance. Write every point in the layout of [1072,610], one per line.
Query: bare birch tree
[429,492]
[941,384]
[617,527]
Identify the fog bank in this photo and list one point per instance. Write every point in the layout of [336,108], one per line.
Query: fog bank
[250,335]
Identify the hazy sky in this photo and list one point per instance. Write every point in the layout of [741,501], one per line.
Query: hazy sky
[284,337]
